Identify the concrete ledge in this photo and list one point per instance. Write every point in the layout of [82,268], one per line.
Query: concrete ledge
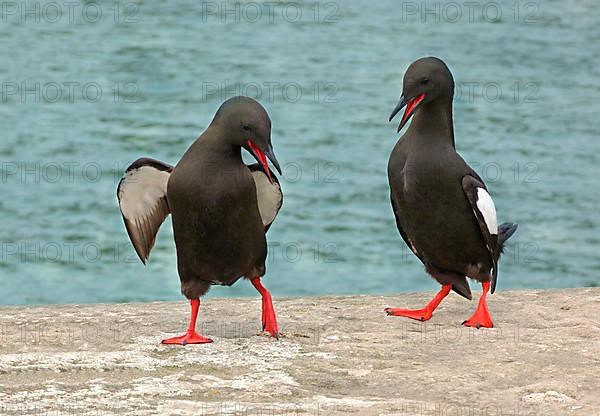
[338,356]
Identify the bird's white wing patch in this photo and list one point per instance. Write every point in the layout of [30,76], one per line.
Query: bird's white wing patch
[269,197]
[143,203]
[486,206]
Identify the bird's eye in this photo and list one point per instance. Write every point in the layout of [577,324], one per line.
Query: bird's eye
[246,127]
[424,81]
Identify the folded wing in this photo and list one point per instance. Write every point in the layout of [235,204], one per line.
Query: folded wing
[269,195]
[485,212]
[142,195]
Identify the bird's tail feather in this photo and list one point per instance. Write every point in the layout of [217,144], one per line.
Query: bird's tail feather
[461,286]
[505,231]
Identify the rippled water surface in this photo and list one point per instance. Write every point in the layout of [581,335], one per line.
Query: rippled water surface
[526,118]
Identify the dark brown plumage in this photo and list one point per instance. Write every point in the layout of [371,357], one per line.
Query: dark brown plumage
[220,207]
[442,207]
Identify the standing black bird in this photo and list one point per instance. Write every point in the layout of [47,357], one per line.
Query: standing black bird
[221,208]
[443,210]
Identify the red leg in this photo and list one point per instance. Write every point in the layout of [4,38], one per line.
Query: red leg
[269,320]
[422,314]
[191,336]
[481,317]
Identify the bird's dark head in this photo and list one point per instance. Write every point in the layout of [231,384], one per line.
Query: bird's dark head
[426,80]
[248,125]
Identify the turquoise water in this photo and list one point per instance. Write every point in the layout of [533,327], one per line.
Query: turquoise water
[329,82]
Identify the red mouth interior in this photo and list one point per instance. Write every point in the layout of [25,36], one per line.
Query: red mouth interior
[261,158]
[411,107]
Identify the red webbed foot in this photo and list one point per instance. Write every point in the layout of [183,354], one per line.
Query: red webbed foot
[189,338]
[422,314]
[269,319]
[481,318]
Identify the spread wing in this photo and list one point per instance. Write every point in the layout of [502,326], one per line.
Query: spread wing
[485,212]
[142,195]
[269,195]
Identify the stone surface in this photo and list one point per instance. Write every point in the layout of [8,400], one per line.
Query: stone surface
[337,356]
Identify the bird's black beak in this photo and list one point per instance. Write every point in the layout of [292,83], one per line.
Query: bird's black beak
[399,106]
[261,157]
[271,155]
[411,107]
